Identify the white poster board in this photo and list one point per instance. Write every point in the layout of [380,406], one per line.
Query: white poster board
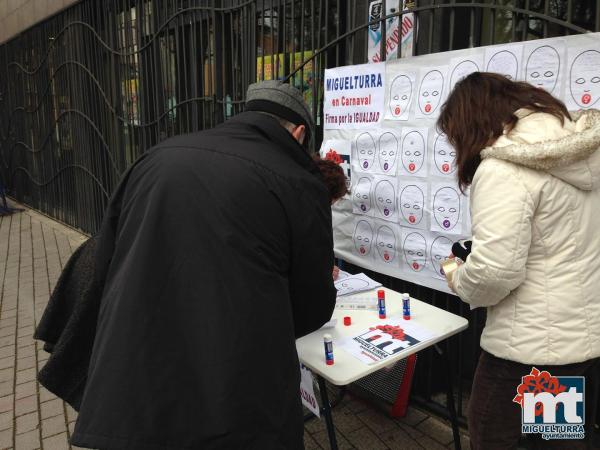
[402,154]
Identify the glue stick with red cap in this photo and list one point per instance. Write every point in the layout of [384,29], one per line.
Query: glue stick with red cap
[328,343]
[406,306]
[381,303]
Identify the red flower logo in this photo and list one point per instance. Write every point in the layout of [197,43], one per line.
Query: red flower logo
[393,330]
[332,155]
[537,382]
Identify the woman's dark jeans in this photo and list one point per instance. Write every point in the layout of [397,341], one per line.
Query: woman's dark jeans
[495,420]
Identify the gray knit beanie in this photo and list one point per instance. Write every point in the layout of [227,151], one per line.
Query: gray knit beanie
[281,99]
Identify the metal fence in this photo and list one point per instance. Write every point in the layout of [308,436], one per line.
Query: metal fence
[83,94]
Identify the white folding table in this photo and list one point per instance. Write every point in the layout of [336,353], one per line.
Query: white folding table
[348,369]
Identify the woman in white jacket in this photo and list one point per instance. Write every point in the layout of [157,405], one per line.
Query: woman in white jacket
[534,172]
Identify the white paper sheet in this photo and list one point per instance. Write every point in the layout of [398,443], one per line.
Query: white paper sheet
[430,95]
[400,94]
[583,89]
[415,250]
[440,249]
[387,243]
[361,194]
[444,158]
[412,203]
[362,238]
[388,152]
[446,208]
[414,152]
[505,60]
[462,66]
[354,284]
[365,154]
[542,64]
[384,198]
[342,274]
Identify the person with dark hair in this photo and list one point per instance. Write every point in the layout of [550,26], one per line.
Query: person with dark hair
[534,175]
[214,255]
[334,177]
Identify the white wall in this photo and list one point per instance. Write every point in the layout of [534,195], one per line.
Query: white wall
[19,15]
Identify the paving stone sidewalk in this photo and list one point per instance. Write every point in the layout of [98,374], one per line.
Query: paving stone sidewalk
[33,250]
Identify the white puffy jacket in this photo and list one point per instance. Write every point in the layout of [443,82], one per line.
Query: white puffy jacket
[535,261]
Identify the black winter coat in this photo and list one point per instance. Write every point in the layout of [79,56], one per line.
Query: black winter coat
[68,326]
[219,253]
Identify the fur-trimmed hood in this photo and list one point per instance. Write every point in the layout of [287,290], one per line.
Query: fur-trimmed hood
[569,151]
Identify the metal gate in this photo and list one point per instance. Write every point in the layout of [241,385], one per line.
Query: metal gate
[83,94]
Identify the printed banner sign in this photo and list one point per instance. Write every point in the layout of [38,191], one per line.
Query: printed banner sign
[307,391]
[399,30]
[354,96]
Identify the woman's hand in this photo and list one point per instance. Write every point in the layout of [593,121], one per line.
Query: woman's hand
[458,262]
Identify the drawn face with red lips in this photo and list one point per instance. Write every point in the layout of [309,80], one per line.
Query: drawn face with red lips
[400,94]
[415,251]
[440,250]
[542,68]
[363,237]
[585,79]
[365,147]
[386,244]
[444,156]
[388,152]
[385,197]
[412,203]
[430,92]
[413,151]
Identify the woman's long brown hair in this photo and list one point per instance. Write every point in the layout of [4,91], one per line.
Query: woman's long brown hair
[480,108]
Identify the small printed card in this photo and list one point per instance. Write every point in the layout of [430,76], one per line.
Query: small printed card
[384,340]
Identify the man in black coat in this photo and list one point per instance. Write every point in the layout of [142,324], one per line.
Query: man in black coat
[218,249]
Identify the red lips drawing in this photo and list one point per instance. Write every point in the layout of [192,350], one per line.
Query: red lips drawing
[586,99]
